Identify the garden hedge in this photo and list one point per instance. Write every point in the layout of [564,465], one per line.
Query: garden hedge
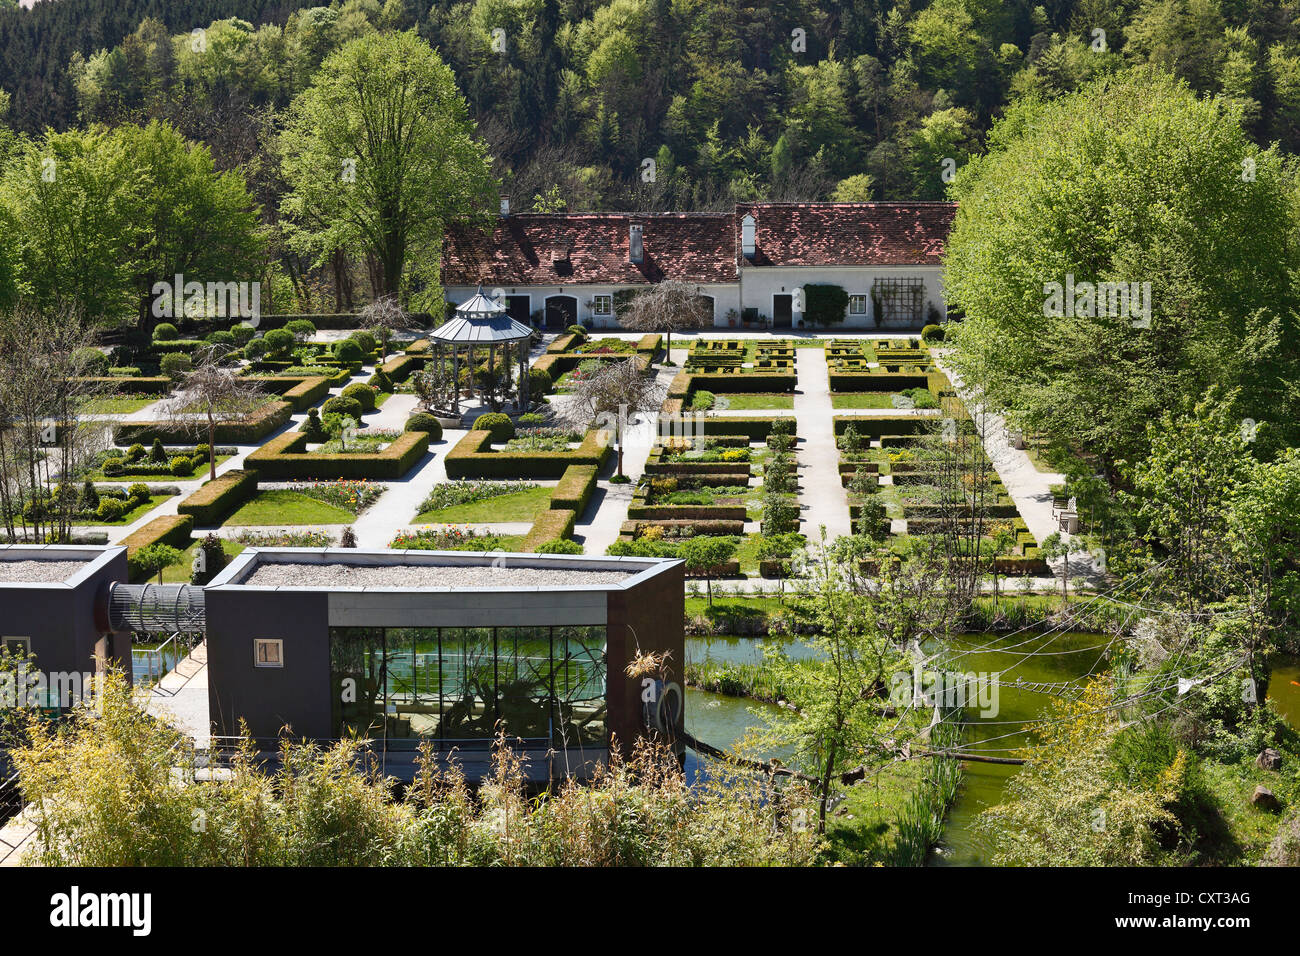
[469,459]
[285,458]
[217,500]
[876,381]
[246,431]
[141,384]
[553,524]
[173,530]
[302,392]
[575,488]
[876,426]
[563,343]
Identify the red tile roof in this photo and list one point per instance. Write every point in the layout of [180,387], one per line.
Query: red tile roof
[849,233]
[529,249]
[563,249]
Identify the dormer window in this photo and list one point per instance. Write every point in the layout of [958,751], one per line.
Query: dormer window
[635,244]
[748,235]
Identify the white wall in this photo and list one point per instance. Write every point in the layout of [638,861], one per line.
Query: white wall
[755,289]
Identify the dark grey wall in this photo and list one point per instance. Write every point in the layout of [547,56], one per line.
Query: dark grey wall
[269,698]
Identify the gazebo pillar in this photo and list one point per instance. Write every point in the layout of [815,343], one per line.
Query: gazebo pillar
[521,394]
[455,379]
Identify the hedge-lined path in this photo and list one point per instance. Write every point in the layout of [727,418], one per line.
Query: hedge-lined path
[1030,488]
[822,496]
[398,506]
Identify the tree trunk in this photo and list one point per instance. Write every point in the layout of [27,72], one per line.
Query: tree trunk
[212,449]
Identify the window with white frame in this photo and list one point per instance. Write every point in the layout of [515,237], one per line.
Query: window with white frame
[268,653]
[602,305]
[17,646]
[858,304]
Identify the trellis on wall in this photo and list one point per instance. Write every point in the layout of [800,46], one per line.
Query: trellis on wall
[899,300]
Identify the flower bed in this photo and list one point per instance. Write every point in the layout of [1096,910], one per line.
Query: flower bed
[474,457]
[285,458]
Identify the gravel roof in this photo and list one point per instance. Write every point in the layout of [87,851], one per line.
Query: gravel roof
[37,572]
[286,574]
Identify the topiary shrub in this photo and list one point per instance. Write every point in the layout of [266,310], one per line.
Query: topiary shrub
[165,332]
[221,338]
[110,509]
[255,349]
[341,405]
[380,381]
[157,452]
[182,466]
[932,333]
[313,428]
[209,558]
[424,422]
[497,424]
[301,329]
[90,361]
[347,351]
[175,364]
[577,330]
[243,333]
[365,341]
[539,382]
[364,395]
[278,342]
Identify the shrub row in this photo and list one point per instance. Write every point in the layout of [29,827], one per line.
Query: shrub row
[173,530]
[875,426]
[399,367]
[141,385]
[473,458]
[217,500]
[575,489]
[563,343]
[284,458]
[301,393]
[554,524]
[876,381]
[247,431]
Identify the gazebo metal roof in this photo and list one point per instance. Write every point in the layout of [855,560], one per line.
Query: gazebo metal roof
[480,321]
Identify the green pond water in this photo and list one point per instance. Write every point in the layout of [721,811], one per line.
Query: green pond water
[1033,658]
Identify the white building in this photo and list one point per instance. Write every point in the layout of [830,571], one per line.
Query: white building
[755,265]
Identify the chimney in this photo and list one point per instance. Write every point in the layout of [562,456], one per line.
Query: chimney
[635,246]
[748,230]
[505,207]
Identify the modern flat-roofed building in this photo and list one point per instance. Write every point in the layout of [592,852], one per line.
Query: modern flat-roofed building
[405,647]
[53,601]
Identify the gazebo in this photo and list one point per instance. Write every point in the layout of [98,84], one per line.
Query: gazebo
[481,322]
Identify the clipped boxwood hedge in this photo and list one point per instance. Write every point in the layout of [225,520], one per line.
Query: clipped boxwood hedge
[575,488]
[284,458]
[173,530]
[472,457]
[217,500]
[554,524]
[301,393]
[877,426]
[247,431]
[141,384]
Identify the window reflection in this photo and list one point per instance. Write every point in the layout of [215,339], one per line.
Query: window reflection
[454,684]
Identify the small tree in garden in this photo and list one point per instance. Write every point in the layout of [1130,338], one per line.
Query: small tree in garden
[383,317]
[1053,547]
[704,555]
[213,394]
[611,397]
[671,306]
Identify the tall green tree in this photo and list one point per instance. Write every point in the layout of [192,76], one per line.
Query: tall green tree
[380,156]
[1131,180]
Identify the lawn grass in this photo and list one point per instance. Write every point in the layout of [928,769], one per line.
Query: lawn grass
[280,506]
[862,830]
[161,475]
[121,405]
[180,573]
[137,512]
[755,401]
[517,506]
[862,399]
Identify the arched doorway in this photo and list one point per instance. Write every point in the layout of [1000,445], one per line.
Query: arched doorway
[707,302]
[561,311]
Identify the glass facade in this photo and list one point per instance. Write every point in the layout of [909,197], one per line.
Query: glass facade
[453,684]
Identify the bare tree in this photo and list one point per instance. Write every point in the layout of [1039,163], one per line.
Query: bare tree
[213,393]
[611,398]
[668,307]
[383,317]
[46,380]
